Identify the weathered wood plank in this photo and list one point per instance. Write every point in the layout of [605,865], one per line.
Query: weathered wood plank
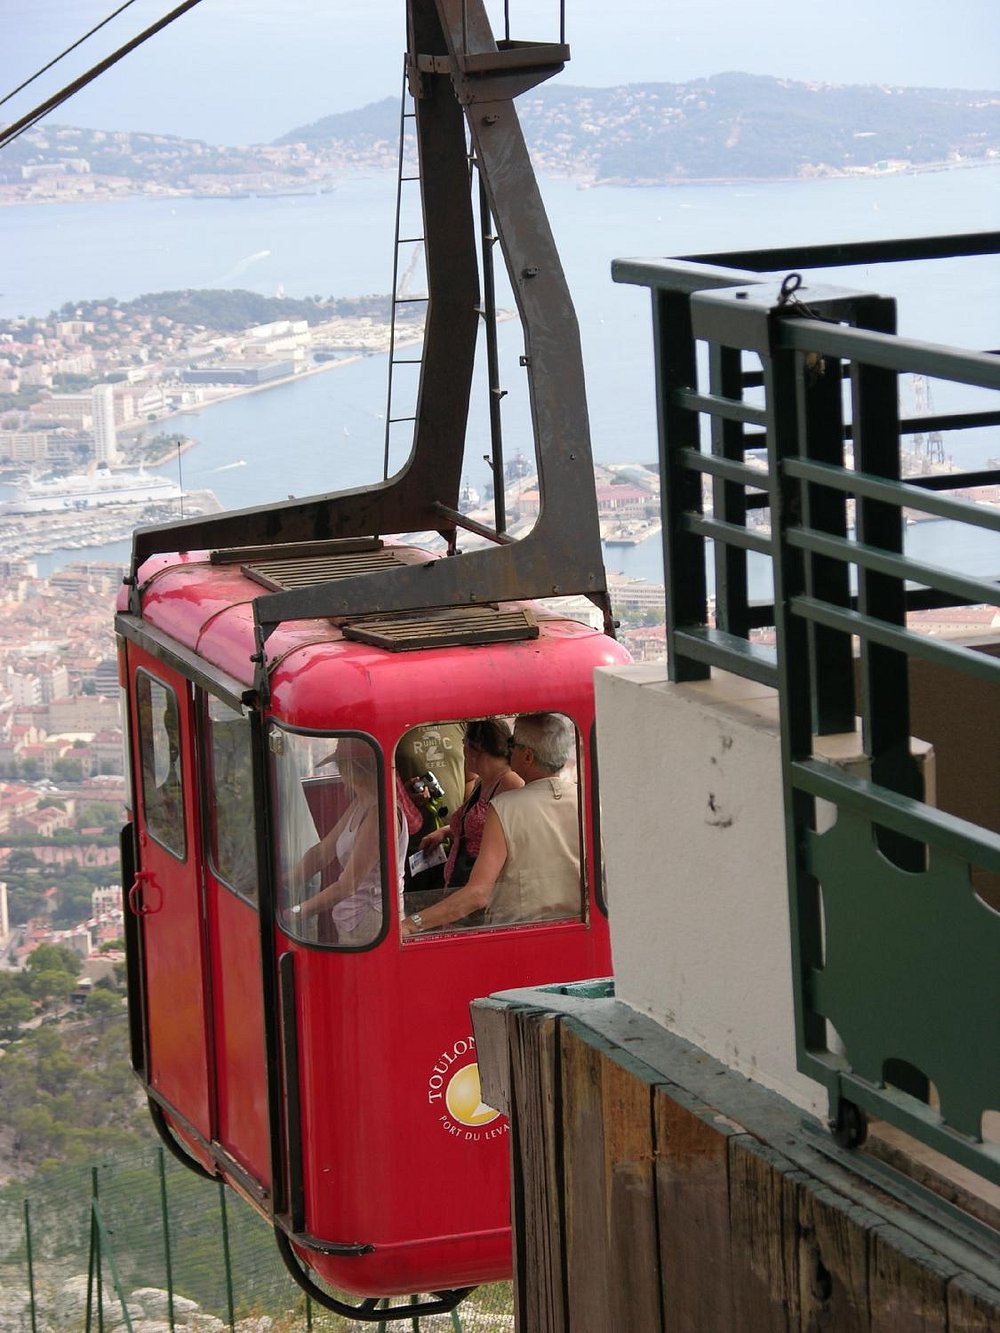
[833,1262]
[585,1201]
[630,1184]
[536,1186]
[907,1285]
[973,1306]
[763,1212]
[490,1023]
[641,1204]
[692,1195]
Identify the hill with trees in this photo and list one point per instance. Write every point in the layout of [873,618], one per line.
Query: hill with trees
[727,126]
[225,310]
[735,126]
[66,1084]
[731,126]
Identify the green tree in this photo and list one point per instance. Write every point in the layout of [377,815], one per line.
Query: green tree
[99,814]
[68,769]
[15,1010]
[51,989]
[20,860]
[56,1066]
[102,1006]
[37,1135]
[50,974]
[53,957]
[75,888]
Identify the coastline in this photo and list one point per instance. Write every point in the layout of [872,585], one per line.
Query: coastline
[584,181]
[814,177]
[242,391]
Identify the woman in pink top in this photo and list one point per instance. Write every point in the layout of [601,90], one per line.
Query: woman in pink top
[486,746]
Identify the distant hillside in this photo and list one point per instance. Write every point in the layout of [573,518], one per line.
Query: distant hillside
[231,310]
[729,127]
[378,122]
[742,125]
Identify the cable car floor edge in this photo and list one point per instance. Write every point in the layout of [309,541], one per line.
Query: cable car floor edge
[299,677]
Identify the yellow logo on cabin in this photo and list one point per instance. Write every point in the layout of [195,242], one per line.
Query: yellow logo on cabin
[464,1098]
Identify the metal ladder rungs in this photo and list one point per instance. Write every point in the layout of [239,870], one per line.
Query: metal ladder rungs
[400,241]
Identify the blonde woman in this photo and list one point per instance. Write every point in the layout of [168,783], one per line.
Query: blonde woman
[354,897]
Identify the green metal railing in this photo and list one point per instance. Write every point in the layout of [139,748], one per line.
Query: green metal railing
[779,403]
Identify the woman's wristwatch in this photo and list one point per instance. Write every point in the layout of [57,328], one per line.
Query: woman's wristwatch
[417,920]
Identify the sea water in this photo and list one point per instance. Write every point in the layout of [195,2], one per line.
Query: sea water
[327,431]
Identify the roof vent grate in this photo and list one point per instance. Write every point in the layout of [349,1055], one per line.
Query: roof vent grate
[448,628]
[305,571]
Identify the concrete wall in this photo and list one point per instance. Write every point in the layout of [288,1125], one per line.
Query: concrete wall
[694,844]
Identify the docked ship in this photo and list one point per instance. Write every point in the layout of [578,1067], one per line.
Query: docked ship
[99,489]
[468,499]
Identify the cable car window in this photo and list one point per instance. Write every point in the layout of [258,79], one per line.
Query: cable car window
[160,756]
[432,782]
[514,846]
[230,805]
[333,864]
[434,751]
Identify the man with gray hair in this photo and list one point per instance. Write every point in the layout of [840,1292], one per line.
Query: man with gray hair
[528,868]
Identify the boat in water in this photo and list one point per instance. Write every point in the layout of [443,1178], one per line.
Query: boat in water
[99,489]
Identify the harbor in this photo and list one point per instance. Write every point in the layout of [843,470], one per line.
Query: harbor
[28,534]
[98,509]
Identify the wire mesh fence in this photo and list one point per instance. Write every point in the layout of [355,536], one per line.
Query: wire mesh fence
[140,1243]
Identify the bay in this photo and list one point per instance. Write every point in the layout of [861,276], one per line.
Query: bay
[326,431]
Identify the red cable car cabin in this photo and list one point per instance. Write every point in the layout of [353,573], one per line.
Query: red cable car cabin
[323,1066]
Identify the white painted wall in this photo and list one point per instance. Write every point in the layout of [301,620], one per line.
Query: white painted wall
[693,825]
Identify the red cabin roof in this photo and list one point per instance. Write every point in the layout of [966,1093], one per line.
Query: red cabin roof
[321,679]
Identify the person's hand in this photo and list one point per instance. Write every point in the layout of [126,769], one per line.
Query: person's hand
[433,840]
[407,928]
[299,875]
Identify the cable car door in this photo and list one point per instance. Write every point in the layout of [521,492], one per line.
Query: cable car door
[167,894]
[234,937]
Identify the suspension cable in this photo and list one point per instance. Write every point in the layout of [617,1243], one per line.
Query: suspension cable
[62,54]
[19,127]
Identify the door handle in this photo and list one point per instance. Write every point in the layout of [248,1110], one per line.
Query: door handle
[142,879]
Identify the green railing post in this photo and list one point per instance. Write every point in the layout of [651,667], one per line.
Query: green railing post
[94,1264]
[226,1256]
[31,1266]
[97,1230]
[168,1259]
